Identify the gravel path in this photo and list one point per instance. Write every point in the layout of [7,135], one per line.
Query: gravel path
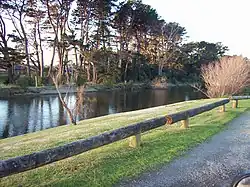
[213,163]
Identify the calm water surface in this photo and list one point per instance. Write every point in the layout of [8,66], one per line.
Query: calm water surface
[21,115]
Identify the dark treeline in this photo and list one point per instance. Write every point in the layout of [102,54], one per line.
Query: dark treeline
[105,41]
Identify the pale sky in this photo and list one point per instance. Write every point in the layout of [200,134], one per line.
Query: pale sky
[225,21]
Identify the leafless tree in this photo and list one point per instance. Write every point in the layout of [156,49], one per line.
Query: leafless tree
[78,105]
[225,77]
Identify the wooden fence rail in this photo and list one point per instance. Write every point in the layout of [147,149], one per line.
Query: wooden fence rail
[235,100]
[37,159]
[240,97]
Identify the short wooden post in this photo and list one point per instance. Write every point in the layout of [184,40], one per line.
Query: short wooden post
[235,104]
[185,123]
[135,141]
[222,108]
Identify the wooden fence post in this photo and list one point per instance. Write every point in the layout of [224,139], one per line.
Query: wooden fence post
[223,108]
[185,123]
[235,104]
[135,141]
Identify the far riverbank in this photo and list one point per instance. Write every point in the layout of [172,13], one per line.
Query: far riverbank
[7,92]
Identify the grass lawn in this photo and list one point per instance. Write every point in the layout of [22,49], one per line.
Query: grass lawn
[108,165]
[246,91]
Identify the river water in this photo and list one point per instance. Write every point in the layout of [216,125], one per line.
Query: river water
[22,114]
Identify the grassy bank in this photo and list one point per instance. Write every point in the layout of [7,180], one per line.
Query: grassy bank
[246,91]
[107,165]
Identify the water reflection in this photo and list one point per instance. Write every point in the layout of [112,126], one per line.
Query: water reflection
[21,115]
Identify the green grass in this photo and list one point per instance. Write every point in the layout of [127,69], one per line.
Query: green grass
[109,164]
[246,91]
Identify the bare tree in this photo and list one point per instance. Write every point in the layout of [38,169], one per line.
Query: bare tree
[167,45]
[225,77]
[78,105]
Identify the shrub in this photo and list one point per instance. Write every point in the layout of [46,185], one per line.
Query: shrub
[3,78]
[159,81]
[226,77]
[25,81]
[81,80]
[107,79]
[41,81]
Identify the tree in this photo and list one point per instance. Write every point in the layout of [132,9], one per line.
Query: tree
[82,25]
[123,23]
[226,77]
[4,49]
[168,44]
[104,39]
[78,105]
[36,18]
[194,55]
[17,11]
[58,15]
[9,56]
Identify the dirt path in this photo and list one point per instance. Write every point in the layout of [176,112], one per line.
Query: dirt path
[213,163]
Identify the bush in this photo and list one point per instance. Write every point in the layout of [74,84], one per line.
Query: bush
[25,82]
[159,81]
[45,81]
[107,80]
[3,78]
[40,81]
[226,77]
[246,91]
[81,80]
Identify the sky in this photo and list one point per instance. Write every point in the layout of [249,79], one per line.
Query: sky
[225,21]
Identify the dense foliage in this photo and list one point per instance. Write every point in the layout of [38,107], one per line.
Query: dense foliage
[104,41]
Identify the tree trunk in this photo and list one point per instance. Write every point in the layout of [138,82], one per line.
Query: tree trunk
[52,59]
[82,66]
[138,44]
[26,45]
[98,35]
[160,68]
[71,117]
[94,77]
[125,71]
[41,49]
[69,112]
[60,58]
[37,48]
[108,67]
[10,67]
[88,71]
[27,55]
[10,74]
[76,58]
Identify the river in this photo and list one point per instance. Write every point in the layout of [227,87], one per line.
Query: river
[23,114]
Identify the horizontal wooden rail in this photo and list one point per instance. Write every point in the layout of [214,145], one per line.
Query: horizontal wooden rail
[240,97]
[37,159]
[235,100]
[173,118]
